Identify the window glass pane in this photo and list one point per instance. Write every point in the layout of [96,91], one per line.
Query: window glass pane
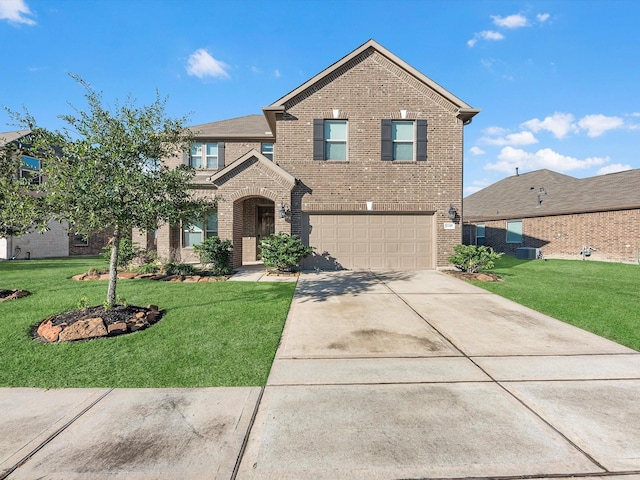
[480,230]
[212,224]
[335,130]
[212,162]
[267,150]
[514,232]
[402,131]
[212,149]
[403,151]
[192,235]
[336,151]
[195,159]
[30,163]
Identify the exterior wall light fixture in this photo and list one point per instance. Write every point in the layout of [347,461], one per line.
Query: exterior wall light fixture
[452,212]
[283,211]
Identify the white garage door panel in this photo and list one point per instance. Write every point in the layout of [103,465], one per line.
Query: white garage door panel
[376,242]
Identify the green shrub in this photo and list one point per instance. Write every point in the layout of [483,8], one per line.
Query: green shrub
[472,258]
[283,252]
[185,269]
[216,253]
[147,268]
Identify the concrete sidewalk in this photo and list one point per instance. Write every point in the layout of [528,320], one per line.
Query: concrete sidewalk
[378,376]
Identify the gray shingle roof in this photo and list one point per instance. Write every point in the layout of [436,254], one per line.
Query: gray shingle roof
[518,196]
[8,137]
[249,126]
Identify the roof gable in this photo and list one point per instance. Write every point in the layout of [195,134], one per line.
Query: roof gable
[8,137]
[462,109]
[275,171]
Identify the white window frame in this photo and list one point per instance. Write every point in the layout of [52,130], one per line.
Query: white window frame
[201,227]
[395,141]
[207,161]
[336,141]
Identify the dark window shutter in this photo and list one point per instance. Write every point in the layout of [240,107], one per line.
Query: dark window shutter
[421,140]
[220,155]
[386,147]
[186,157]
[318,139]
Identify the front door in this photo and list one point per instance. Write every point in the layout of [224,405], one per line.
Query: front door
[266,223]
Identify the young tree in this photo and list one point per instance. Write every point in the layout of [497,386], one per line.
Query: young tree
[21,207]
[104,170]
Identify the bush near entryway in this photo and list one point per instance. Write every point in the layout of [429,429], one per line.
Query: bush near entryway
[283,252]
[217,253]
[473,258]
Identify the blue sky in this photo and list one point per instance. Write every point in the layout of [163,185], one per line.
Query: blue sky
[557,81]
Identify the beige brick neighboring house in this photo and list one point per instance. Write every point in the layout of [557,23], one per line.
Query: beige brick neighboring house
[57,241]
[559,214]
[363,161]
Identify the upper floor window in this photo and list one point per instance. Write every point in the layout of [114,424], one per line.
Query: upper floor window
[330,139]
[195,232]
[267,150]
[404,140]
[31,170]
[207,155]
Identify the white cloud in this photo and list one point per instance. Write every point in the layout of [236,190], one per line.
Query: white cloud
[485,35]
[477,185]
[201,64]
[542,17]
[255,69]
[472,189]
[596,125]
[559,124]
[476,151]
[512,21]
[509,158]
[494,131]
[276,73]
[15,11]
[521,138]
[614,168]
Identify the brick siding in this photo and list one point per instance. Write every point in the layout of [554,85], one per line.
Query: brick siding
[614,234]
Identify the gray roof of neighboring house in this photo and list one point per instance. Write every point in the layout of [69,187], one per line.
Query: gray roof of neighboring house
[8,137]
[249,126]
[543,192]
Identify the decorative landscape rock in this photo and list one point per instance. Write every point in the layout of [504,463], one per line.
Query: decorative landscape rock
[95,322]
[199,278]
[12,294]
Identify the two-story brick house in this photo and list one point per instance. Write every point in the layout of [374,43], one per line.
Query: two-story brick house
[363,162]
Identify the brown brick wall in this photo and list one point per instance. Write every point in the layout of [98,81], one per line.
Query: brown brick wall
[366,91]
[615,235]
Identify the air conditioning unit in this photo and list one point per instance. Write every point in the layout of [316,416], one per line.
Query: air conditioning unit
[527,253]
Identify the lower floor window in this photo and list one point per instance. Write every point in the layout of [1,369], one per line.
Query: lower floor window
[195,232]
[514,232]
[80,240]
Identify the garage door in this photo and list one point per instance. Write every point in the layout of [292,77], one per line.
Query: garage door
[373,242]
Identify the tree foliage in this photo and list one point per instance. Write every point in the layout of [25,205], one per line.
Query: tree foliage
[104,170]
[283,252]
[21,206]
[472,258]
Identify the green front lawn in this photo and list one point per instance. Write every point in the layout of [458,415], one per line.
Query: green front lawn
[601,297]
[213,334]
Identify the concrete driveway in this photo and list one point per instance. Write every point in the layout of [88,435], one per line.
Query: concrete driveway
[378,376]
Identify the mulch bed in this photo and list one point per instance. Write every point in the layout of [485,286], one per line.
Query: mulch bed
[478,277]
[202,277]
[12,294]
[96,322]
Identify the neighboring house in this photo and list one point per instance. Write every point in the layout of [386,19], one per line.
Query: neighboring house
[363,162]
[559,214]
[57,241]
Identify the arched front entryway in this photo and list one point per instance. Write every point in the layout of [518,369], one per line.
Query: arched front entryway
[257,221]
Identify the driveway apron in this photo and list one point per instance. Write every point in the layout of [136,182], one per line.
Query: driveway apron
[420,375]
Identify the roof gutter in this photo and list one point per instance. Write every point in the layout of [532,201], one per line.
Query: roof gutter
[270,114]
[467,114]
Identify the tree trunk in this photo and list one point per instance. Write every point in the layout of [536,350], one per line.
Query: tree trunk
[113,269]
